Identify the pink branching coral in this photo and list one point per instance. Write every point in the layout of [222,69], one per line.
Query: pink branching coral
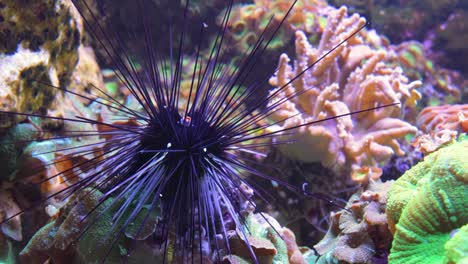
[353,77]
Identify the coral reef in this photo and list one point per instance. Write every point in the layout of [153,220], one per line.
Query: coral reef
[31,56]
[12,143]
[402,20]
[440,85]
[427,205]
[45,44]
[353,77]
[359,233]
[250,20]
[449,41]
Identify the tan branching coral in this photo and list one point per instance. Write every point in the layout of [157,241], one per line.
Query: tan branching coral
[353,77]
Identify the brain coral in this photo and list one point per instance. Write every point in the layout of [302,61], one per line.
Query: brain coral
[353,77]
[427,205]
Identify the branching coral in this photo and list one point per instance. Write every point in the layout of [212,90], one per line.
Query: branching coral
[427,205]
[353,77]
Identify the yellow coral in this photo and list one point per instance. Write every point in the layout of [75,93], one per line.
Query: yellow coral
[352,78]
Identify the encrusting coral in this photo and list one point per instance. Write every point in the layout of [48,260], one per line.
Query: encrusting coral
[427,206]
[353,77]
[360,233]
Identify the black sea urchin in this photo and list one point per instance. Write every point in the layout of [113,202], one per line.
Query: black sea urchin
[183,155]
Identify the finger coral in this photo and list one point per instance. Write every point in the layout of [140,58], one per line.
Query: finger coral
[352,78]
[427,205]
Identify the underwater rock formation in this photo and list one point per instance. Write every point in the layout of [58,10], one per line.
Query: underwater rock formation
[353,77]
[360,233]
[33,55]
[427,206]
[42,50]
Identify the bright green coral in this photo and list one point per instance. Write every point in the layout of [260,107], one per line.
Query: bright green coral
[428,204]
[457,246]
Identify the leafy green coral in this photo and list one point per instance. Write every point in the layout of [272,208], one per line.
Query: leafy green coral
[427,204]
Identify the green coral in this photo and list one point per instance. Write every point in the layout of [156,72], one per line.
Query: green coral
[427,204]
[457,246]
